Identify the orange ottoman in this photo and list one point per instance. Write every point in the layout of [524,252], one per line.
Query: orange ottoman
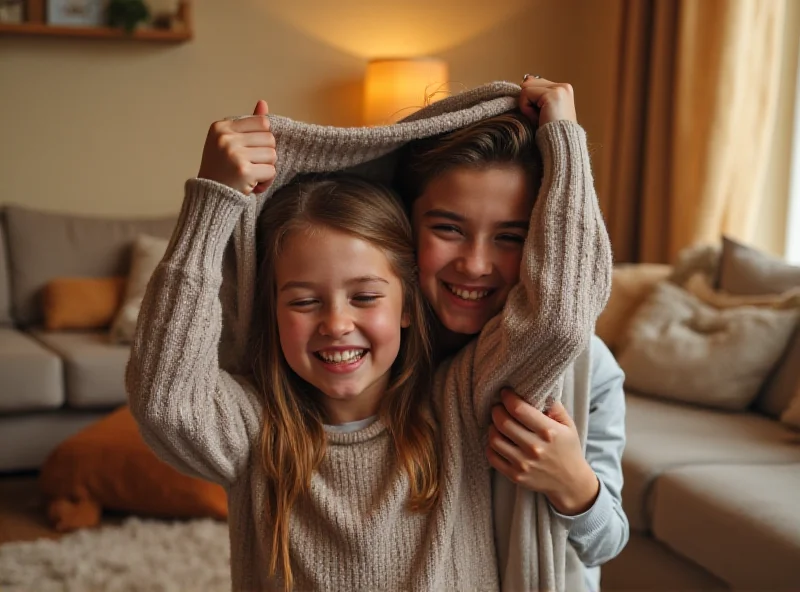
[108,466]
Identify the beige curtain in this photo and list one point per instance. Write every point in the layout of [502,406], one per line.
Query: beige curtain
[697,85]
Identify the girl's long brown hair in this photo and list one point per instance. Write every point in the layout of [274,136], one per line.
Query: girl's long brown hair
[293,438]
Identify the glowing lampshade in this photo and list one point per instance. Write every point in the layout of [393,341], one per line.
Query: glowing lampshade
[395,88]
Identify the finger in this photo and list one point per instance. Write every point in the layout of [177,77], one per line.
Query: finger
[520,435]
[260,155]
[526,414]
[506,448]
[559,413]
[501,465]
[533,81]
[258,140]
[251,123]
[261,108]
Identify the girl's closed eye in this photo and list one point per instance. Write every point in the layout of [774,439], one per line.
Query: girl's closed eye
[303,303]
[367,299]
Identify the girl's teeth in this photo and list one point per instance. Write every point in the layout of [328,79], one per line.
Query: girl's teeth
[466,294]
[342,356]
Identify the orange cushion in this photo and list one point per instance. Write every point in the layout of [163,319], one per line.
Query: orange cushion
[108,466]
[82,303]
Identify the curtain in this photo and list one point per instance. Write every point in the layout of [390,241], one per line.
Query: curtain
[697,87]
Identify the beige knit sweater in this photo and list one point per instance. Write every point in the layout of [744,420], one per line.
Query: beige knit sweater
[353,532]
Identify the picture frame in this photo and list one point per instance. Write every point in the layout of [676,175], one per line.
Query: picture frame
[76,13]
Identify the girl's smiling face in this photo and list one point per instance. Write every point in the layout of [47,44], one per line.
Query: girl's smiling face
[339,315]
[470,226]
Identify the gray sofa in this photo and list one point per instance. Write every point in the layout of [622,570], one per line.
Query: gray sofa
[713,497]
[52,384]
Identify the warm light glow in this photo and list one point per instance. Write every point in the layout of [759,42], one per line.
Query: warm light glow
[394,89]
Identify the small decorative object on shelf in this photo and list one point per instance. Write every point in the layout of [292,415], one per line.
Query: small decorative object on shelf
[11,11]
[127,14]
[75,13]
[34,11]
[89,19]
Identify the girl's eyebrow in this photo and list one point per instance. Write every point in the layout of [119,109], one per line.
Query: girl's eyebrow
[363,279]
[435,213]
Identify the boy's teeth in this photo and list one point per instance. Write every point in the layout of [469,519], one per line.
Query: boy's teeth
[467,294]
[338,357]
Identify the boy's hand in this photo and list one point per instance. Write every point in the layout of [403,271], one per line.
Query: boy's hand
[241,153]
[543,101]
[542,452]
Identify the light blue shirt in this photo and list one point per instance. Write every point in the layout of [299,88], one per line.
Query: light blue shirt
[599,534]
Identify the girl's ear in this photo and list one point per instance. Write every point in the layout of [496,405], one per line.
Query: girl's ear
[405,320]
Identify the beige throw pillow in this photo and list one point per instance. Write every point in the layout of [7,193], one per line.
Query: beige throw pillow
[148,251]
[682,349]
[631,285]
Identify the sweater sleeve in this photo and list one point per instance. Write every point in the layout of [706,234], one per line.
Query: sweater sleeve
[195,416]
[565,280]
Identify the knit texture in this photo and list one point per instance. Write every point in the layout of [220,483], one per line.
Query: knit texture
[201,413]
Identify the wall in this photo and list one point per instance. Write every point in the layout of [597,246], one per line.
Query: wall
[114,128]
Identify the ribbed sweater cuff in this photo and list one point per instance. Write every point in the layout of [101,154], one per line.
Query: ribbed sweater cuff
[206,221]
[558,139]
[584,526]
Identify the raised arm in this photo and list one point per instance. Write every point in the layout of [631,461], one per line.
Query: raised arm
[565,280]
[194,415]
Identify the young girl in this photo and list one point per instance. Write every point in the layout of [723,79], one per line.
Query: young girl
[369,508]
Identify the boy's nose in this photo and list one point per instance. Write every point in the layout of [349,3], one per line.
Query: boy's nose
[475,262]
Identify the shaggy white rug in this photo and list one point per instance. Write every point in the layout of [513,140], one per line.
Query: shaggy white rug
[137,556]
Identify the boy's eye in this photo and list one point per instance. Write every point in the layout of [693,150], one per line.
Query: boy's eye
[447,228]
[512,238]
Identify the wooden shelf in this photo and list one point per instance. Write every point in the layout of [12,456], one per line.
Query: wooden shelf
[140,34]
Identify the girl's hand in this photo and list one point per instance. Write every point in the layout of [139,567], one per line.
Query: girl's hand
[542,452]
[241,153]
[543,101]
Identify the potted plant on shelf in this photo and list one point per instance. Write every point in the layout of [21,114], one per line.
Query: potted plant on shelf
[127,14]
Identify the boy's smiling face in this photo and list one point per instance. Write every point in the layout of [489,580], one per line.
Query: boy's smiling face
[470,226]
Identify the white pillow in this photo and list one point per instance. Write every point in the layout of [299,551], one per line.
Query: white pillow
[680,348]
[148,251]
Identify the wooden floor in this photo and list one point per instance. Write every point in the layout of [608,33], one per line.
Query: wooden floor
[22,515]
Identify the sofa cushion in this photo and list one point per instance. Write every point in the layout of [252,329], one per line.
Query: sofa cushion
[662,436]
[94,368]
[738,521]
[31,374]
[678,347]
[43,246]
[747,271]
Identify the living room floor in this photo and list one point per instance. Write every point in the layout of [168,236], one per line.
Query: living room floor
[22,510]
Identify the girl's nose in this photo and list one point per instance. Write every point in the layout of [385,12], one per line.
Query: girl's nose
[335,323]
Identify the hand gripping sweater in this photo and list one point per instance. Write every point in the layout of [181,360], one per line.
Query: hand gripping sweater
[198,409]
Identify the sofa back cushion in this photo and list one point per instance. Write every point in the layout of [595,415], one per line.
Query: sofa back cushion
[43,246]
[5,280]
[747,271]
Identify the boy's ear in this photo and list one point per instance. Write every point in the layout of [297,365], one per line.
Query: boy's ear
[405,320]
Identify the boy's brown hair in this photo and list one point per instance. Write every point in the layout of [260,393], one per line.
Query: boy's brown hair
[507,139]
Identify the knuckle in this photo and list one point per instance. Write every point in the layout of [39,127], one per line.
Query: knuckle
[517,477]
